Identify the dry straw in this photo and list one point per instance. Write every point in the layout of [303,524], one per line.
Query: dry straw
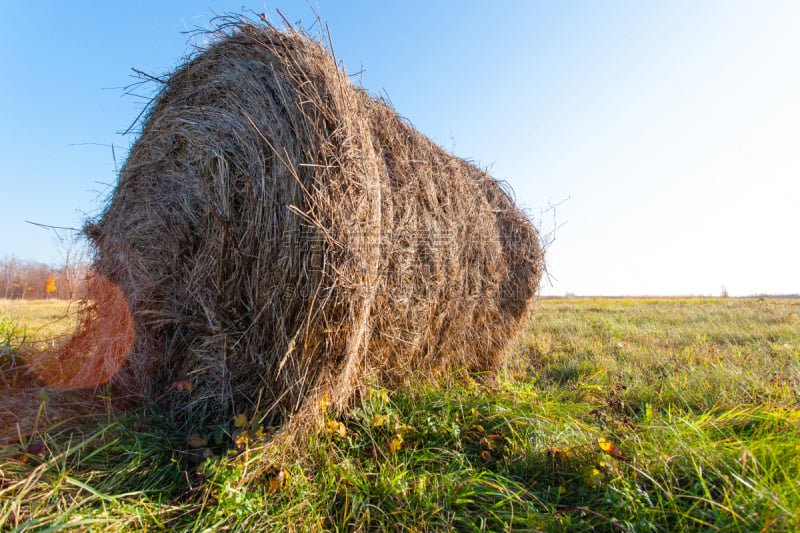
[281,236]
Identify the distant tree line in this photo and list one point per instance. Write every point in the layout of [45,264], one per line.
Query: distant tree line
[31,280]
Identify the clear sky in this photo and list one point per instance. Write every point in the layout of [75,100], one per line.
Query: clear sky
[667,133]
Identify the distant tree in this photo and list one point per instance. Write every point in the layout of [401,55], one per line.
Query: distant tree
[51,285]
[73,251]
[36,280]
[7,271]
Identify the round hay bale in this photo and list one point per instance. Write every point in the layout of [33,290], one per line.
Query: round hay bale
[280,235]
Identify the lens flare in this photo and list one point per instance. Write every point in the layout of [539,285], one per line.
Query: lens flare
[98,348]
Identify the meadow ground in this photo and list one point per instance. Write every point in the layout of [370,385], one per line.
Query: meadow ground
[614,415]
[42,319]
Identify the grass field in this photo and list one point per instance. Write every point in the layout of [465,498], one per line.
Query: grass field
[40,319]
[614,415]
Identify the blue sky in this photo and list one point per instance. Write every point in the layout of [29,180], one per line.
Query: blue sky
[668,133]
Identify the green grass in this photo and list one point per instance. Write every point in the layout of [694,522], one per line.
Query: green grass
[614,415]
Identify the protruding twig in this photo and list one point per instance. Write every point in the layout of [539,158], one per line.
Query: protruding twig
[148,76]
